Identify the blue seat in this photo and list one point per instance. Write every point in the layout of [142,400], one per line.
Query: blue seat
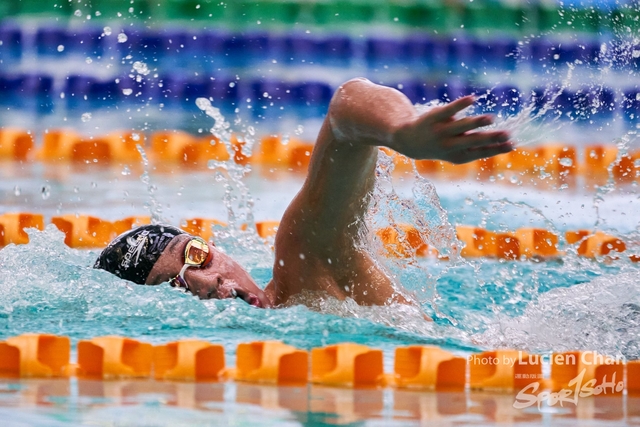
[631,105]
[86,42]
[336,51]
[418,50]
[77,90]
[224,89]
[11,46]
[278,92]
[312,94]
[49,39]
[195,88]
[498,54]
[605,102]
[243,50]
[27,91]
[460,53]
[438,53]
[130,90]
[37,85]
[133,44]
[173,89]
[104,92]
[10,85]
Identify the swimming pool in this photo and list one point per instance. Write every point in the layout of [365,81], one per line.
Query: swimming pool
[563,304]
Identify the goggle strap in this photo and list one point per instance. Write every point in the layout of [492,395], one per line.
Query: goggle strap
[184,269]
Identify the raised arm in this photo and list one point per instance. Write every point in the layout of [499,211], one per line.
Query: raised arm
[364,113]
[317,244]
[363,116]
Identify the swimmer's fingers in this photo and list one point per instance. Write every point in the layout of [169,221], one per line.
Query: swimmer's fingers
[444,113]
[470,155]
[477,140]
[481,145]
[461,126]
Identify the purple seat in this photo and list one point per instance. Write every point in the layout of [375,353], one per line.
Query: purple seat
[460,52]
[384,51]
[298,48]
[589,53]
[417,48]
[498,53]
[211,43]
[540,51]
[438,53]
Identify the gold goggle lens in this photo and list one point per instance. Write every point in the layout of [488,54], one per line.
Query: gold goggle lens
[196,252]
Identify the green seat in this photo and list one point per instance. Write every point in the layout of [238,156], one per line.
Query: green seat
[493,16]
[193,10]
[585,20]
[39,7]
[625,21]
[340,12]
[270,13]
[117,9]
[8,8]
[547,18]
[431,16]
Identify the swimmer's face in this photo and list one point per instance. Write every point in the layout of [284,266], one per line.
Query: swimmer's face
[219,278]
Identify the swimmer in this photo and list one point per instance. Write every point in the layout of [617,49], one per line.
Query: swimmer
[317,247]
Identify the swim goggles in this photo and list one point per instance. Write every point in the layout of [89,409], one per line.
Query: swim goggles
[196,254]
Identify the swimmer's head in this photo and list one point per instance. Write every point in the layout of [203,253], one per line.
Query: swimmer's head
[132,255]
[155,254]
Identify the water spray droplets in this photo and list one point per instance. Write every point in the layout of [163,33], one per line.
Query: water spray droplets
[45,192]
[141,68]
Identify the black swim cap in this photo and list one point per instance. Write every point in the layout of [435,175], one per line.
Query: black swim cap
[132,255]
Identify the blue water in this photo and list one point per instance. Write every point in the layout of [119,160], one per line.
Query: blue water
[476,304]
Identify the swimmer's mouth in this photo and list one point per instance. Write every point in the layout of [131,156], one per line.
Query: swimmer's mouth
[247,297]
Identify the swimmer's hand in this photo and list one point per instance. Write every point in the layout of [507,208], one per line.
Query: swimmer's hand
[437,134]
[362,112]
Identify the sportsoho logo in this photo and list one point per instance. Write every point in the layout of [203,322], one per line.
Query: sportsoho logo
[576,388]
